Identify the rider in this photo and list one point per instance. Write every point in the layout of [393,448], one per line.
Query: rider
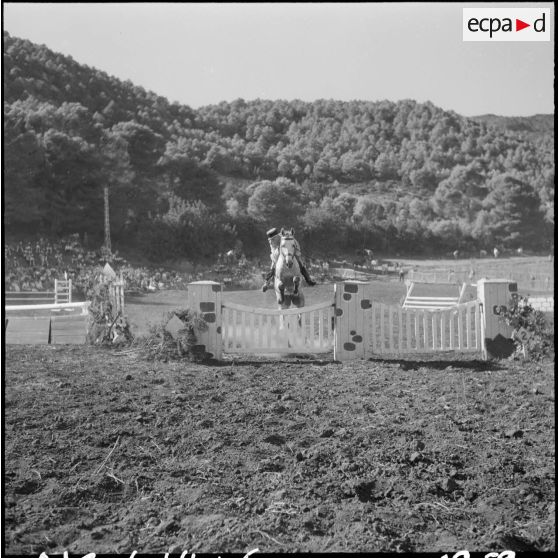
[274,239]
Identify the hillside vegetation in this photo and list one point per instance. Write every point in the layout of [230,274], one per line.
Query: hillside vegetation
[401,176]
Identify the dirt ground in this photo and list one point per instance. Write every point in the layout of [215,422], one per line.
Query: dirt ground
[108,453]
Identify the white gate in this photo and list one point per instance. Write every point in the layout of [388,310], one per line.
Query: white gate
[354,325]
[393,329]
[260,330]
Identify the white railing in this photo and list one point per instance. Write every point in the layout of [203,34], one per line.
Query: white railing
[542,281]
[260,330]
[68,306]
[62,293]
[395,329]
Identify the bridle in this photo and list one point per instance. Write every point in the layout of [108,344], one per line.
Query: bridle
[287,251]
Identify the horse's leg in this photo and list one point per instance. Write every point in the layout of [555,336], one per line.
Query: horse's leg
[281,292]
[296,283]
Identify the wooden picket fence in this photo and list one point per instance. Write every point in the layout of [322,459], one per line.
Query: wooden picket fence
[393,329]
[259,330]
[116,285]
[353,325]
[62,294]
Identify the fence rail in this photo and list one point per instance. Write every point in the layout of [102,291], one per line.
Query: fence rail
[62,293]
[543,282]
[394,329]
[83,306]
[355,325]
[260,330]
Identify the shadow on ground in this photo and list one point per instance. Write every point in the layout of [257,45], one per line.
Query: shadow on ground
[449,364]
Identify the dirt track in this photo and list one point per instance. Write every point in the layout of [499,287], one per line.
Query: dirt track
[107,453]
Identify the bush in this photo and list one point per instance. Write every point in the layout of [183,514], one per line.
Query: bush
[161,345]
[533,336]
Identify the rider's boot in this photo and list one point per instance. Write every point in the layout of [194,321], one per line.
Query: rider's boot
[268,277]
[306,276]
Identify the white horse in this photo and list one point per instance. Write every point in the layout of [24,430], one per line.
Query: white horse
[287,273]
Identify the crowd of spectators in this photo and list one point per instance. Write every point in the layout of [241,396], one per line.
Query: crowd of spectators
[34,266]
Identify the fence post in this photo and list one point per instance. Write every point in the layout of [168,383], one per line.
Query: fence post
[204,297]
[493,294]
[120,293]
[352,307]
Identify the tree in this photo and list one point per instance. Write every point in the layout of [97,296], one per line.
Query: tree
[386,166]
[324,232]
[23,162]
[514,217]
[461,194]
[546,194]
[145,147]
[424,179]
[189,179]
[69,182]
[117,175]
[367,218]
[278,203]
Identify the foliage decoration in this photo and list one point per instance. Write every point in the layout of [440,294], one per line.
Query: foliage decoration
[532,334]
[108,327]
[163,345]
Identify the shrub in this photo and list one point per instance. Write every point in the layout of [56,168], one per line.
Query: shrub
[532,334]
[160,344]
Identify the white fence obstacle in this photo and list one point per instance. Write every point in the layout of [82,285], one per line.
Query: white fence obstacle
[433,302]
[62,291]
[416,330]
[116,286]
[543,281]
[62,294]
[353,325]
[81,307]
[63,323]
[260,331]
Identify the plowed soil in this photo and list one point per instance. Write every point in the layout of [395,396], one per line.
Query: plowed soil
[105,452]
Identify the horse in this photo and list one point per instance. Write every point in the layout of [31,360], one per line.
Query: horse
[287,273]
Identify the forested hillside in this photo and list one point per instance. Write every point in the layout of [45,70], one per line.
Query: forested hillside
[393,176]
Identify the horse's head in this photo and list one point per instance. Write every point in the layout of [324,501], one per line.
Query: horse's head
[287,247]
